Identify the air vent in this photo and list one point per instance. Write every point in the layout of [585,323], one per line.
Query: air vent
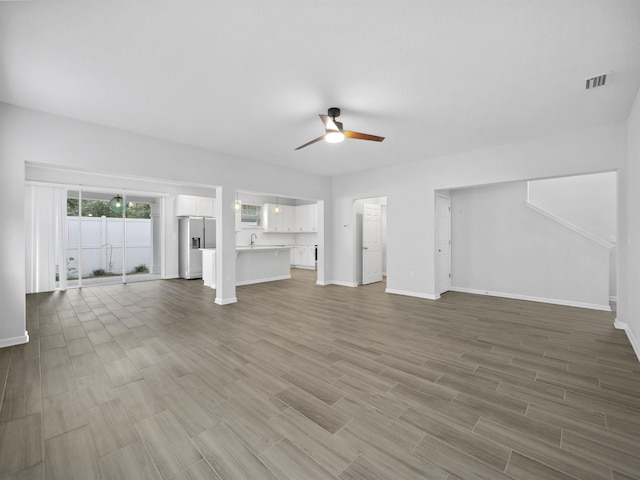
[594,82]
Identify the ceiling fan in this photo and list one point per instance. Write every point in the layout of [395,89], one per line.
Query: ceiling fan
[335,133]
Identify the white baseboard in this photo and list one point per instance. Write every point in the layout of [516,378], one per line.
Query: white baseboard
[515,296]
[322,283]
[226,301]
[407,293]
[9,342]
[632,338]
[343,284]
[262,280]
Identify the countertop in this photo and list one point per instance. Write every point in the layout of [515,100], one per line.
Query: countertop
[249,248]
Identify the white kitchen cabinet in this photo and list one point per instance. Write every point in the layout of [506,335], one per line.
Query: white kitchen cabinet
[271,221]
[306,218]
[312,217]
[303,256]
[288,218]
[300,218]
[209,267]
[206,207]
[193,206]
[278,222]
[311,256]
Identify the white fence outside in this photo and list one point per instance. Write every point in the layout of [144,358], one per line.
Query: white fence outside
[102,244]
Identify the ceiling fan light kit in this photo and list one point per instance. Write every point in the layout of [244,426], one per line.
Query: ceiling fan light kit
[334,136]
[335,133]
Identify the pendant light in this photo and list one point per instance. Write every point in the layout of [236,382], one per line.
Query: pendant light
[277,209]
[116,204]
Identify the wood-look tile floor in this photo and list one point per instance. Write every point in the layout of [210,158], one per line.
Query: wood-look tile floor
[297,381]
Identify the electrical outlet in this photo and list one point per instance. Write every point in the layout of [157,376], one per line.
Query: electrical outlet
[412,273]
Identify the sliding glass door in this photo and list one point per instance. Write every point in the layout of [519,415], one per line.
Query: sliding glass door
[111,238]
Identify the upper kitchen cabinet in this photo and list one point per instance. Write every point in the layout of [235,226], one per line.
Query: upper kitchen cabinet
[271,221]
[192,206]
[288,218]
[281,222]
[306,218]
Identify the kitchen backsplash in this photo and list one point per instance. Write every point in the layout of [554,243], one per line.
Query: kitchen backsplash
[243,237]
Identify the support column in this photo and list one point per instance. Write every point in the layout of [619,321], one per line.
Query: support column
[225,246]
[12,249]
[155,237]
[104,247]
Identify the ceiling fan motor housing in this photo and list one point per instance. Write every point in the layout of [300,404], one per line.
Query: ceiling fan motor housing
[334,112]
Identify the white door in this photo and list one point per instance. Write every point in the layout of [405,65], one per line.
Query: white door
[443,243]
[371,244]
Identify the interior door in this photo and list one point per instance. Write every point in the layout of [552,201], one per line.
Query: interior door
[443,243]
[371,243]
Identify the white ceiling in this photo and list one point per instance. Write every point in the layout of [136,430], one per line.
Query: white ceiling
[250,77]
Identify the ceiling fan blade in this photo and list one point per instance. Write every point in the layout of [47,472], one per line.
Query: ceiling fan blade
[362,136]
[329,124]
[310,143]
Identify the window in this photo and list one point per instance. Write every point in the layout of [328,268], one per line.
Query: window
[250,214]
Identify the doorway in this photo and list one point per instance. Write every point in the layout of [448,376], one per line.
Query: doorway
[544,240]
[267,219]
[370,240]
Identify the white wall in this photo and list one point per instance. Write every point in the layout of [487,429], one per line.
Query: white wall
[628,313]
[27,136]
[587,201]
[410,195]
[257,199]
[501,247]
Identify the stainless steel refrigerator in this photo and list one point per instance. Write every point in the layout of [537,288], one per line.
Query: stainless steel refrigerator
[194,233]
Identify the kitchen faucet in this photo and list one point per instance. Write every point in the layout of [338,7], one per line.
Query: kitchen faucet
[254,238]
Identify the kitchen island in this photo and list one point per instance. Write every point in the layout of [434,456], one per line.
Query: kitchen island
[254,264]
